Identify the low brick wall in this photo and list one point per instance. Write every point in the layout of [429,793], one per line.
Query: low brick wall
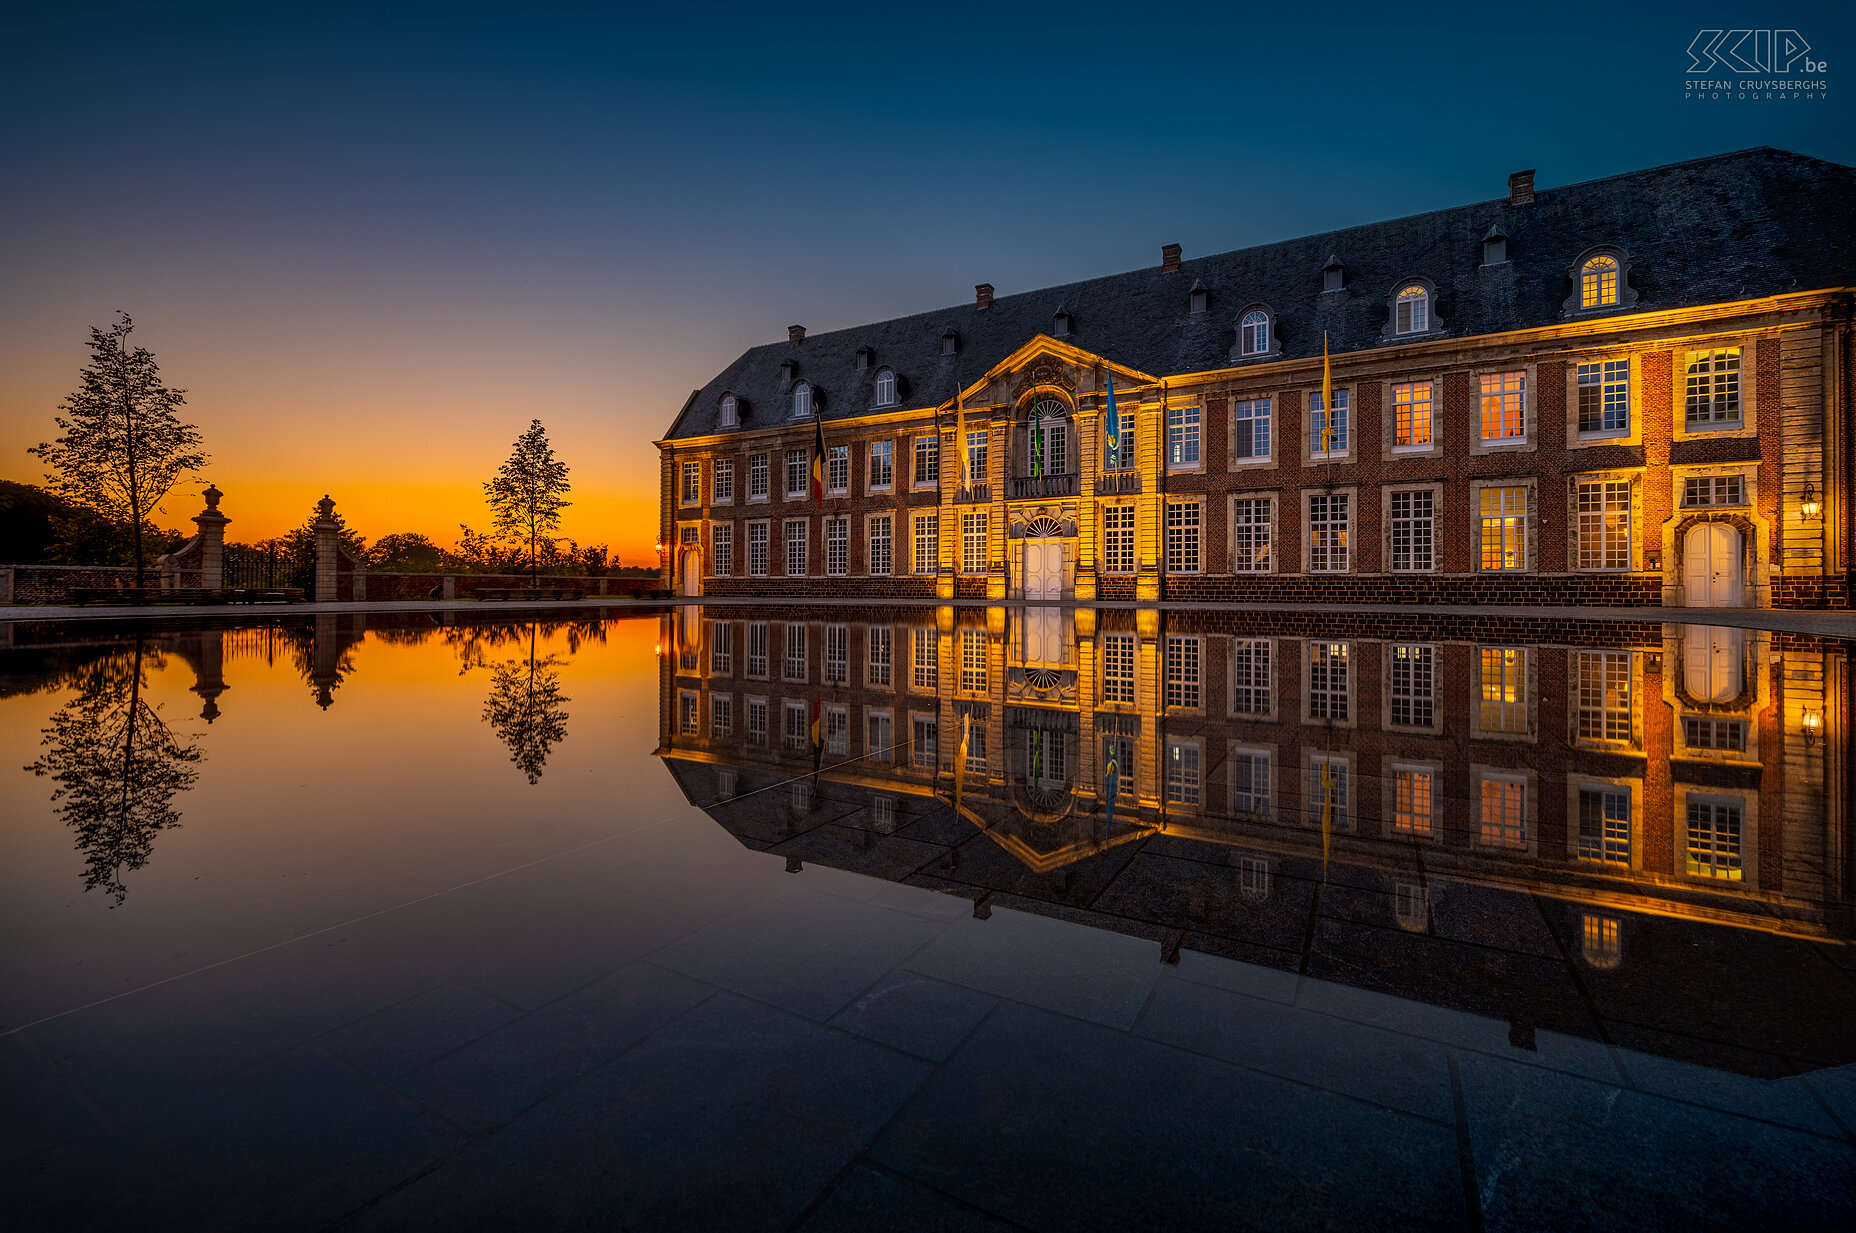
[1577,590]
[59,584]
[404,587]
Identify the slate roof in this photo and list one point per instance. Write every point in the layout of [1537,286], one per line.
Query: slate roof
[1712,230]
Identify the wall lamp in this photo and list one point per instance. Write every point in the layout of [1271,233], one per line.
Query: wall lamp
[1813,723]
[1808,506]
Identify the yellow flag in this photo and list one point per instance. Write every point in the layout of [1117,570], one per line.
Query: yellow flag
[960,760]
[1327,397]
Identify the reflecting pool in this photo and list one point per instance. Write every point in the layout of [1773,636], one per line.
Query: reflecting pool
[964,917]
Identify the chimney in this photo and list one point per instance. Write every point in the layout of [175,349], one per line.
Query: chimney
[1521,187]
[795,334]
[1169,257]
[982,295]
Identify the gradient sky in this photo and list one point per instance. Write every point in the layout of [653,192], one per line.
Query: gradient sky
[374,241]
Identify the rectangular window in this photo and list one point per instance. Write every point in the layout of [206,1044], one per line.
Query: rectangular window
[838,468]
[879,736]
[1604,396]
[880,645]
[1250,677]
[1714,834]
[1250,429]
[1502,689]
[798,472]
[692,483]
[757,549]
[1502,528]
[837,731]
[1118,539]
[795,547]
[973,543]
[721,715]
[1504,406]
[1414,676]
[1182,672]
[757,721]
[1713,389]
[1331,446]
[882,464]
[1504,811]
[1603,511]
[1327,534]
[1121,749]
[837,653]
[1250,783]
[1713,490]
[1182,772]
[924,741]
[757,648]
[1182,537]
[793,668]
[722,550]
[1604,695]
[1182,436]
[837,546]
[882,545]
[721,648]
[924,665]
[1411,415]
[1411,800]
[724,480]
[1414,531]
[1118,668]
[1047,757]
[973,661]
[1604,825]
[975,459]
[975,735]
[795,726]
[1707,732]
[1328,794]
[927,462]
[1250,535]
[925,541]
[757,477]
[689,710]
[1327,680]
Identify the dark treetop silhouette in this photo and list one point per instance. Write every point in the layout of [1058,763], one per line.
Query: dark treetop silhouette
[528,494]
[525,708]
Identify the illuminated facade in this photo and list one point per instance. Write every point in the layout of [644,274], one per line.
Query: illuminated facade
[1626,392]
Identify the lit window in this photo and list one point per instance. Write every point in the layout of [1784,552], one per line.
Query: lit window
[795,547]
[1604,695]
[925,539]
[1713,490]
[1182,537]
[802,401]
[722,549]
[927,462]
[1118,539]
[1504,406]
[837,546]
[1411,800]
[1327,533]
[1250,535]
[1602,942]
[973,661]
[1254,333]
[1118,668]
[1504,811]
[1328,695]
[731,411]
[1713,389]
[1714,836]
[1604,397]
[975,462]
[1604,825]
[1414,530]
[1250,677]
[1603,511]
[1250,428]
[1182,436]
[1411,415]
[1502,526]
[882,464]
[1598,282]
[878,653]
[1319,444]
[1502,689]
[1412,311]
[973,543]
[885,388]
[1414,670]
[1182,672]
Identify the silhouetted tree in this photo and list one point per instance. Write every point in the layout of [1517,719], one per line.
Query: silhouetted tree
[410,552]
[117,768]
[123,446]
[528,494]
[524,709]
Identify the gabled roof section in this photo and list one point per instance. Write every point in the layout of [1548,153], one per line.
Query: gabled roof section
[1713,230]
[1057,349]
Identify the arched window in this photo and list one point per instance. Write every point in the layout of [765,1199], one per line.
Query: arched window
[802,401]
[1598,282]
[1413,311]
[885,387]
[1253,333]
[730,410]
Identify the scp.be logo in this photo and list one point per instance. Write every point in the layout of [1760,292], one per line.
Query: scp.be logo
[1752,51]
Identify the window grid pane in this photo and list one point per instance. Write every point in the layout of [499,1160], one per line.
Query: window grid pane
[1327,533]
[1118,668]
[1182,672]
[837,546]
[973,543]
[1327,680]
[1503,688]
[1413,530]
[1504,813]
[1318,424]
[1604,696]
[1713,388]
[1411,801]
[1182,537]
[1604,396]
[1118,539]
[1250,678]
[1411,414]
[1413,693]
[1503,528]
[926,542]
[1250,535]
[1182,436]
[882,545]
[1714,833]
[1604,825]
[1250,428]
[1604,524]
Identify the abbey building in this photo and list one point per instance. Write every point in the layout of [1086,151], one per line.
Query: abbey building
[1632,391]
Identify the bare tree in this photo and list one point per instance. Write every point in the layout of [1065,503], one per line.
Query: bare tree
[526,497]
[123,446]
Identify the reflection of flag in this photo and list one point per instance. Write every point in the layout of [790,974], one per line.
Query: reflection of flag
[1037,436]
[1037,754]
[818,463]
[1327,815]
[1112,418]
[960,762]
[1327,397]
[818,737]
[1112,786]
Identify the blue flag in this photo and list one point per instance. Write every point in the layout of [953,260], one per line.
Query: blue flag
[1111,786]
[1113,421]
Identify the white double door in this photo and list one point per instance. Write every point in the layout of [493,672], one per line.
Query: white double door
[1043,569]
[1711,566]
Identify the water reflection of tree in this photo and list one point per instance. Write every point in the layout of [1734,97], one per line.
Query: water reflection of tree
[117,768]
[525,706]
[474,644]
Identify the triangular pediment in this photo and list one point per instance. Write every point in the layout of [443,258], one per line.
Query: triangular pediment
[1044,360]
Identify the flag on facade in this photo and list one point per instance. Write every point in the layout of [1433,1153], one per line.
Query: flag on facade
[1111,784]
[818,736]
[1327,815]
[960,762]
[818,463]
[960,434]
[1327,397]
[1037,437]
[1112,419]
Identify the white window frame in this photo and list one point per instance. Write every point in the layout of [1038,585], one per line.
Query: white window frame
[1411,310]
[1185,437]
[1255,802]
[757,660]
[880,545]
[1120,548]
[1184,776]
[1339,790]
[793,654]
[1412,671]
[837,469]
[973,674]
[1252,533]
[1184,671]
[1505,779]
[787,542]
[729,415]
[722,550]
[925,543]
[691,490]
[1598,681]
[1120,660]
[924,660]
[1515,673]
[973,542]
[760,530]
[1713,380]
[879,657]
[1253,333]
[925,468]
[1251,669]
[1502,394]
[722,481]
[886,395]
[1260,414]
[1327,682]
[802,401]
[1342,444]
[1419,554]
[798,467]
[1610,383]
[1185,537]
[1323,555]
[882,466]
[837,546]
[1503,516]
[760,477]
[1414,813]
[1607,542]
[1410,399]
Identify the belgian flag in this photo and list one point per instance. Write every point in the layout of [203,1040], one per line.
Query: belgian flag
[818,463]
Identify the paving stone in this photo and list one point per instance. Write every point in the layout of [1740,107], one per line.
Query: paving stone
[916,1014]
[393,1041]
[867,1201]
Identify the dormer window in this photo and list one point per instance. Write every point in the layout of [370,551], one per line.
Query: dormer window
[802,401]
[885,387]
[865,357]
[1494,247]
[730,411]
[1412,310]
[1598,282]
[1333,274]
[950,342]
[1060,324]
[1197,300]
[1253,333]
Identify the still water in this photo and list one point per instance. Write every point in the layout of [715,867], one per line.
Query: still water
[910,883]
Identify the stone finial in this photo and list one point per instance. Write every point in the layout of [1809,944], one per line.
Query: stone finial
[212,496]
[326,506]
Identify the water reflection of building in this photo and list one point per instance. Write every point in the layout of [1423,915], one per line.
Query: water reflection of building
[1613,787]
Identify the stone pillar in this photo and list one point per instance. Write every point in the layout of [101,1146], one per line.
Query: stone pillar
[212,526]
[209,671]
[328,550]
